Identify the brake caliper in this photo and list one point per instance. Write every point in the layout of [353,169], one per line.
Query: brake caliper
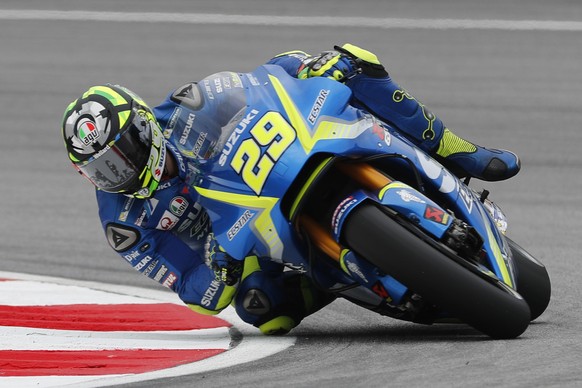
[463,239]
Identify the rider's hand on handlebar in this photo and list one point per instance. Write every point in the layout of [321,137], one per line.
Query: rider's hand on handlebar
[330,64]
[226,269]
[344,63]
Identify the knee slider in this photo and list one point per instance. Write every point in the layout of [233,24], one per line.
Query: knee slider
[278,326]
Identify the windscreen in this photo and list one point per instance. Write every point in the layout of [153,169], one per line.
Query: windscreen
[208,112]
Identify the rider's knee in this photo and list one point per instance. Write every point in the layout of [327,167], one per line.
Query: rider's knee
[275,301]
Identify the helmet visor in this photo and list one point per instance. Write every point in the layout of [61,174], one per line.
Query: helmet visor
[117,168]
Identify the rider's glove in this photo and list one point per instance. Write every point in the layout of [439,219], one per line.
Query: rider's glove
[329,64]
[226,269]
[344,63]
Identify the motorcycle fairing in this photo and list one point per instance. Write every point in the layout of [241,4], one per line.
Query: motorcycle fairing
[401,198]
[291,121]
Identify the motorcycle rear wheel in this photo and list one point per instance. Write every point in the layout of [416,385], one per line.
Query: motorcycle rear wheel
[435,272]
[533,281]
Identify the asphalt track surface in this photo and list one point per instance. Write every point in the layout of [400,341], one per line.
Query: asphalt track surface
[520,89]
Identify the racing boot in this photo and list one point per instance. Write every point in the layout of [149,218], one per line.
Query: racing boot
[466,159]
[374,91]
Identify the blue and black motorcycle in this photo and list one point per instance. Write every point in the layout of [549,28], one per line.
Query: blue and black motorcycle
[305,179]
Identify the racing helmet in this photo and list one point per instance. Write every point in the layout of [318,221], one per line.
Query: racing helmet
[114,140]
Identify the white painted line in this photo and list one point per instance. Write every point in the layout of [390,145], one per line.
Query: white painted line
[21,338]
[53,381]
[294,21]
[21,293]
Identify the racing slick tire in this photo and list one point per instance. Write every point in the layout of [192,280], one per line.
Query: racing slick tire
[533,280]
[435,272]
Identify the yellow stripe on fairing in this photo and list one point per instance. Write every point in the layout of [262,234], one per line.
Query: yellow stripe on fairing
[342,262]
[393,185]
[498,256]
[301,193]
[324,129]
[263,223]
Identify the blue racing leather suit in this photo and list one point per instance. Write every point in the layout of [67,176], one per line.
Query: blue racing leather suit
[164,236]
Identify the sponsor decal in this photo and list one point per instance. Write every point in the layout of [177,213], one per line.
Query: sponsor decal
[187,128]
[467,198]
[150,268]
[197,221]
[123,216]
[208,89]
[104,150]
[380,290]
[436,215]
[164,185]
[252,79]
[199,143]
[170,280]
[234,136]
[449,183]
[161,272]
[126,208]
[407,196]
[218,85]
[188,96]
[177,155]
[86,129]
[316,108]
[236,81]
[186,224]
[174,118]
[378,131]
[340,211]
[178,205]
[354,269]
[382,133]
[201,227]
[131,256]
[239,224]
[167,221]
[210,293]
[226,82]
[172,122]
[87,132]
[121,237]
[142,263]
[256,302]
[143,217]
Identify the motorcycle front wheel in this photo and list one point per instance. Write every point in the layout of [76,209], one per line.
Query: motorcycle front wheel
[435,272]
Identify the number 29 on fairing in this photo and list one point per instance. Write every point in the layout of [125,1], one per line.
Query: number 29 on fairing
[251,162]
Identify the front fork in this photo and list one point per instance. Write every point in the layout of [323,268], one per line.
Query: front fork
[395,195]
[365,174]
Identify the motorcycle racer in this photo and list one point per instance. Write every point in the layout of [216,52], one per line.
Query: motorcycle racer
[149,209]
[144,163]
